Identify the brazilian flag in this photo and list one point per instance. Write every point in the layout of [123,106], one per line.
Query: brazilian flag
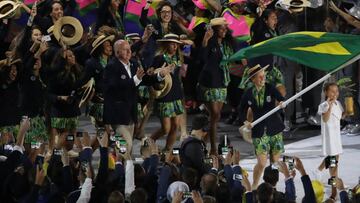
[319,50]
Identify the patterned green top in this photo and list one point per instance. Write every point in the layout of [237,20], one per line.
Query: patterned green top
[274,77]
[226,52]
[259,95]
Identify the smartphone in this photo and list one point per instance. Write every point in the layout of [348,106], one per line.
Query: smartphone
[187,195]
[224,151]
[291,166]
[84,165]
[139,160]
[332,161]
[350,194]
[58,152]
[79,134]
[176,151]
[121,145]
[332,181]
[208,160]
[70,138]
[288,159]
[112,138]
[35,145]
[237,177]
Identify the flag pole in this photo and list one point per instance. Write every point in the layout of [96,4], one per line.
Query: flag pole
[291,99]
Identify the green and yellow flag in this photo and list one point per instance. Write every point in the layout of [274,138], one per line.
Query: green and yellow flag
[319,50]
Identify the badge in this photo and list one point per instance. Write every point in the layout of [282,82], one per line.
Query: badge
[267,35]
[32,78]
[97,71]
[213,49]
[268,98]
[249,102]
[123,77]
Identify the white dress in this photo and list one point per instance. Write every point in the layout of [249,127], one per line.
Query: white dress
[330,131]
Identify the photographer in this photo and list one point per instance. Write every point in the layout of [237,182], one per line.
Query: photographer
[193,149]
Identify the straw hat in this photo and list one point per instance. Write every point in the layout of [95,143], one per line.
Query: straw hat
[218,21]
[254,70]
[87,91]
[68,29]
[133,36]
[8,8]
[50,29]
[170,38]
[100,40]
[297,3]
[231,2]
[161,89]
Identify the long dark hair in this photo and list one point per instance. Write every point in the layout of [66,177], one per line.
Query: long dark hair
[228,40]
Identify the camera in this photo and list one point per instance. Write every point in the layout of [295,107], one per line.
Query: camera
[176,151]
[187,195]
[332,181]
[237,177]
[70,138]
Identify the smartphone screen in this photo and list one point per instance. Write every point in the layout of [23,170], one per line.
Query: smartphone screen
[176,151]
[70,138]
[187,195]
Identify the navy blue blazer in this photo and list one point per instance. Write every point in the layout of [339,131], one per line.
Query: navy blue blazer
[120,92]
[273,123]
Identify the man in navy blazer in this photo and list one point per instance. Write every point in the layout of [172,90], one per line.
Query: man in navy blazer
[121,79]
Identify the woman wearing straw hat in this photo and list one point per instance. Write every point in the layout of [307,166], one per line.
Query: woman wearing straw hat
[64,110]
[267,135]
[162,25]
[214,78]
[94,68]
[170,106]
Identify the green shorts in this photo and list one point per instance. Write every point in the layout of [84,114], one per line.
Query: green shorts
[169,109]
[96,112]
[37,131]
[212,94]
[65,123]
[269,144]
[14,129]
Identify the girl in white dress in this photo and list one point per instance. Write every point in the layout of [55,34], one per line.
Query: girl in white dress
[331,112]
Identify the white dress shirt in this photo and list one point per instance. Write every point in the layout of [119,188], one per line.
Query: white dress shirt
[137,81]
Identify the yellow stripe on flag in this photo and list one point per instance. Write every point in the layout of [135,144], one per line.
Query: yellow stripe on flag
[333,48]
[311,34]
